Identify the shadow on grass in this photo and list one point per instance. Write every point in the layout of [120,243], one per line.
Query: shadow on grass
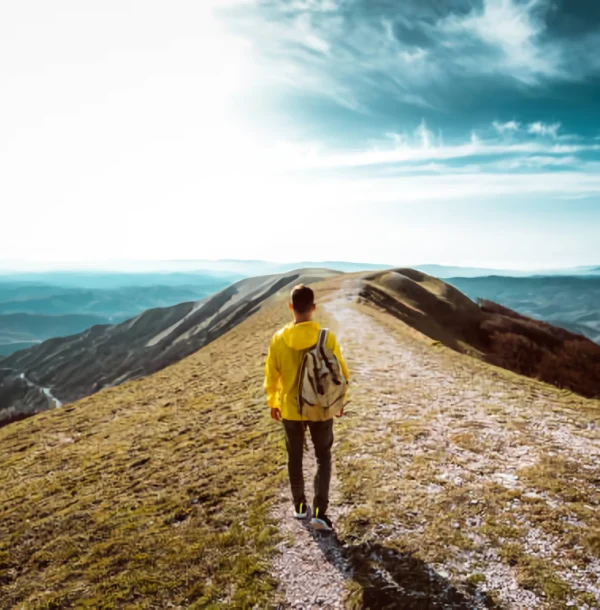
[392,579]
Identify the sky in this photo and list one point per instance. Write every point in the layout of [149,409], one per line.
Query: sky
[461,132]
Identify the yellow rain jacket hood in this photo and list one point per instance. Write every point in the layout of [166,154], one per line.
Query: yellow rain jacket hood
[283,364]
[301,336]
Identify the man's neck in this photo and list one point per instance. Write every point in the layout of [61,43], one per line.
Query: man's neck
[301,319]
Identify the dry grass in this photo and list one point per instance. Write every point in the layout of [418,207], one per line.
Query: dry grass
[488,477]
[150,493]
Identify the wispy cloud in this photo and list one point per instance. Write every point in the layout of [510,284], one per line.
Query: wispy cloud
[512,165]
[345,51]
[446,187]
[544,129]
[513,31]
[509,126]
[424,145]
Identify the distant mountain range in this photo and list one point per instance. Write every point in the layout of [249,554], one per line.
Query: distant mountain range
[444,271]
[35,305]
[183,272]
[32,311]
[41,282]
[570,302]
[22,330]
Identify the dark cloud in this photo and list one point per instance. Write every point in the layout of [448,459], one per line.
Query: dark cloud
[429,11]
[572,18]
[414,33]
[459,63]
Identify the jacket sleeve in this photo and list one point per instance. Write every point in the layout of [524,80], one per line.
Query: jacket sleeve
[272,376]
[337,351]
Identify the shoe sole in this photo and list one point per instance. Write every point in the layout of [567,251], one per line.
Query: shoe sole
[300,515]
[320,525]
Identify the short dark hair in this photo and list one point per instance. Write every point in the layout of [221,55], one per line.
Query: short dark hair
[303,298]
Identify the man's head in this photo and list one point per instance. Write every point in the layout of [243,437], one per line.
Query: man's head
[303,303]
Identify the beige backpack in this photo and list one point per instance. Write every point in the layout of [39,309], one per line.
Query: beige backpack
[322,385]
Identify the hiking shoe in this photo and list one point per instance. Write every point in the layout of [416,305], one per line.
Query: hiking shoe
[300,510]
[321,521]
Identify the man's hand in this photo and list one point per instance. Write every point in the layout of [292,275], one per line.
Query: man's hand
[276,414]
[340,413]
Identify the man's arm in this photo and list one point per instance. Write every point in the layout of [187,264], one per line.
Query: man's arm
[337,351]
[272,376]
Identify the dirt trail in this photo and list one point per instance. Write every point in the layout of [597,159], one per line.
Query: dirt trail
[474,431]
[312,568]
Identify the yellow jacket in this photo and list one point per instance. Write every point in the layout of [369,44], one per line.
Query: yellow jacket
[283,364]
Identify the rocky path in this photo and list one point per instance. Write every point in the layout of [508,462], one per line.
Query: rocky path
[458,464]
[310,567]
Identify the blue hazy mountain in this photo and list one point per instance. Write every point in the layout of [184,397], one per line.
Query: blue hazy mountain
[448,271]
[41,282]
[568,301]
[63,302]
[22,330]
[39,306]
[197,272]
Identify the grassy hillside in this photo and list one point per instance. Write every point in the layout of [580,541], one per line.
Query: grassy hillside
[487,330]
[148,493]
[456,484]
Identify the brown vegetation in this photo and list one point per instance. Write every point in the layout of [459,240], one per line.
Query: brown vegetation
[542,351]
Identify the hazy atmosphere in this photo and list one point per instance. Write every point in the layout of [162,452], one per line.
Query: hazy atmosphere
[465,132]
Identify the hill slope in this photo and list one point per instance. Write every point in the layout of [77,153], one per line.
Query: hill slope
[456,484]
[65,369]
[488,330]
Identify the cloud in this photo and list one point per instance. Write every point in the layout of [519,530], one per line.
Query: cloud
[425,136]
[445,187]
[510,126]
[422,145]
[514,32]
[411,52]
[543,161]
[544,129]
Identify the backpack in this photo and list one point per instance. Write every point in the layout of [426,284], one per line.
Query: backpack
[322,385]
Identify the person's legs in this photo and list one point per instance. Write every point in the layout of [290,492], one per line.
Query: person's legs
[294,441]
[322,437]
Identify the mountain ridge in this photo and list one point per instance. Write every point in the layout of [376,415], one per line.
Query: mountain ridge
[456,483]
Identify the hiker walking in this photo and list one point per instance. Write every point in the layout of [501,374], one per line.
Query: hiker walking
[306,380]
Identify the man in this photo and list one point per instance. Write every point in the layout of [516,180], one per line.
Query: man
[286,351]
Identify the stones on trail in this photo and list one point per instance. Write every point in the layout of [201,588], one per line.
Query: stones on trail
[310,568]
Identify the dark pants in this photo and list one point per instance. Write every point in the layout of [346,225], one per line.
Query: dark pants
[321,433]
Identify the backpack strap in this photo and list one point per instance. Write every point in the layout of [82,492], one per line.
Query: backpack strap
[318,350]
[321,344]
[323,333]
